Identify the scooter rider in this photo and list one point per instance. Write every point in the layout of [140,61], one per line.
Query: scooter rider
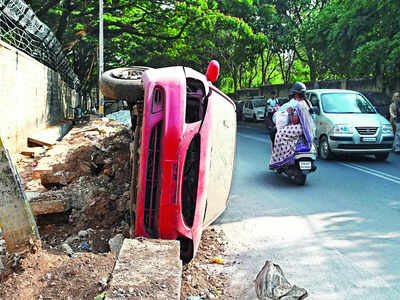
[290,128]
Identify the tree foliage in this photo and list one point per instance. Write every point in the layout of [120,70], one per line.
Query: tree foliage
[256,41]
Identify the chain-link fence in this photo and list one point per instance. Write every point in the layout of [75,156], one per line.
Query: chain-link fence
[20,28]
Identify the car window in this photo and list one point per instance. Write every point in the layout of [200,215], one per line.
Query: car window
[349,103]
[251,105]
[259,103]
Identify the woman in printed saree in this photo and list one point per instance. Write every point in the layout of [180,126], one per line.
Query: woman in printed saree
[295,128]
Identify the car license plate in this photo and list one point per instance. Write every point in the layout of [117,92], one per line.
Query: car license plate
[305,165]
[369,139]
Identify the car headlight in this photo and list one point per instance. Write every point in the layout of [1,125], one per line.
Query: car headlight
[386,128]
[342,129]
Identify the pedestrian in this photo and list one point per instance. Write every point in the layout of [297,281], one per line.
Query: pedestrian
[271,107]
[272,101]
[395,119]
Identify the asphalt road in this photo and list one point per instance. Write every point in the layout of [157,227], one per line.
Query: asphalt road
[338,236]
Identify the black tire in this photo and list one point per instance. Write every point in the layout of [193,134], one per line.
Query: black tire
[254,118]
[300,178]
[323,149]
[123,84]
[381,156]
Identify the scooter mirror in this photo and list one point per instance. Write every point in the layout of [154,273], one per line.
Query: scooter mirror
[316,110]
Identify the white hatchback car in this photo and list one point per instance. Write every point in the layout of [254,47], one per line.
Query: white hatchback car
[347,123]
[254,109]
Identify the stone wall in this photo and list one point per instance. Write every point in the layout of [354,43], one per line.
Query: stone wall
[32,97]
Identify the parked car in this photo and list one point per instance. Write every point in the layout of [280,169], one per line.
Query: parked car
[239,110]
[183,152]
[254,109]
[347,123]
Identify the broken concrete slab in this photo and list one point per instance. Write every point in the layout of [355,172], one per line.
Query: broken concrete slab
[50,135]
[46,206]
[16,220]
[147,269]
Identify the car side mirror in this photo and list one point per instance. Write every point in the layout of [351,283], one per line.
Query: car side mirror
[316,110]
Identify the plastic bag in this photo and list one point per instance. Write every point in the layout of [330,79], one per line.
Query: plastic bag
[281,119]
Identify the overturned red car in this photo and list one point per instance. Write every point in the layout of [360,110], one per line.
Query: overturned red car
[183,153]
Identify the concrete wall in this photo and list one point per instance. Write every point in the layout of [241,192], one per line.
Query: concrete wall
[32,97]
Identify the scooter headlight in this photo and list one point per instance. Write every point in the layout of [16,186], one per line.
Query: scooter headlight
[342,129]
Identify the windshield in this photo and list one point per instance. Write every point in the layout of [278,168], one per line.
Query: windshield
[259,103]
[346,103]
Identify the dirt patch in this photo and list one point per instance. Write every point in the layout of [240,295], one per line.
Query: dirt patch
[89,172]
[47,274]
[205,276]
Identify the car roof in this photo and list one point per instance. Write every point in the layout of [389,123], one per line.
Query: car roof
[325,91]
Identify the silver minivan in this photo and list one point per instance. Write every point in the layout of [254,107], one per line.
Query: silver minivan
[347,123]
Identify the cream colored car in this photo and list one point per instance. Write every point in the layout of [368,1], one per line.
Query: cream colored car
[347,123]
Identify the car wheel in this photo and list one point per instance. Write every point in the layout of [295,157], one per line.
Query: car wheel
[123,84]
[381,156]
[254,118]
[324,150]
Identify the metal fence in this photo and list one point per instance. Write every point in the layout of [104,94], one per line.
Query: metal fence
[20,28]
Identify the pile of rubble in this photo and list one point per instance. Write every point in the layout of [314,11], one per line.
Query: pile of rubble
[81,181]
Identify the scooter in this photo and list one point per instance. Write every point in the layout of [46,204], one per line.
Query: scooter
[303,161]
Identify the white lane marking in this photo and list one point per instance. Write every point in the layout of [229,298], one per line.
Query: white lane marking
[376,171]
[373,172]
[259,139]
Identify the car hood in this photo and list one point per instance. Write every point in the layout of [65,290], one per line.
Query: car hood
[359,120]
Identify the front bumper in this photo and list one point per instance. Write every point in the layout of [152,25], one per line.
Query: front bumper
[356,144]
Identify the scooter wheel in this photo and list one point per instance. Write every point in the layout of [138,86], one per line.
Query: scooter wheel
[300,178]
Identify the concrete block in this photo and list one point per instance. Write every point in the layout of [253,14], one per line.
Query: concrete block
[147,269]
[48,206]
